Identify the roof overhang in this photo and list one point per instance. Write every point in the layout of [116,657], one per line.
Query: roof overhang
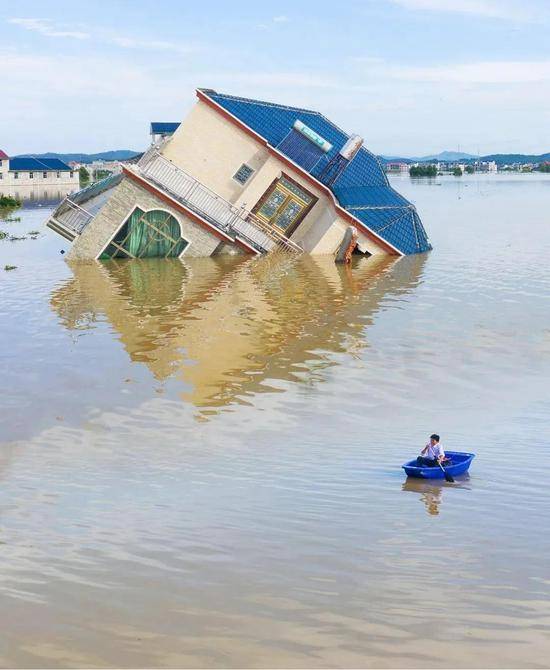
[202,96]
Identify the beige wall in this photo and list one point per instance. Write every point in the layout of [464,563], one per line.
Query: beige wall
[124,199]
[212,149]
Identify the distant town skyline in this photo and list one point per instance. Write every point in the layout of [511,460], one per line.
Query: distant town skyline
[412,77]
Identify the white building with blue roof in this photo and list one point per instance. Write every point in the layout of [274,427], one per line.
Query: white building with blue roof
[243,175]
[30,171]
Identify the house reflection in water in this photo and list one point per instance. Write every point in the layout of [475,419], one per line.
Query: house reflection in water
[231,327]
[38,196]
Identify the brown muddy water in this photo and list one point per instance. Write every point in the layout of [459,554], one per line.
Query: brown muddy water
[200,460]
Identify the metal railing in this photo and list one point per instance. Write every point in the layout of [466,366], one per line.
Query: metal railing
[72,216]
[235,221]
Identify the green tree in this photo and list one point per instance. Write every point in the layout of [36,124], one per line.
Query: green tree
[457,172]
[83,175]
[8,202]
[469,169]
[423,171]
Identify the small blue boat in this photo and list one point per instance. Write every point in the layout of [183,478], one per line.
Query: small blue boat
[460,462]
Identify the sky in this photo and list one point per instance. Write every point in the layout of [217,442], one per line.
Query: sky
[413,77]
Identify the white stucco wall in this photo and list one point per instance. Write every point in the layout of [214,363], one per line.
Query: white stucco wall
[212,149]
[24,179]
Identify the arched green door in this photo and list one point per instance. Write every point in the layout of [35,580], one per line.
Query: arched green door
[151,234]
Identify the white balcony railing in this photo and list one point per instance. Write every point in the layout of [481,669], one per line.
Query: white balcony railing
[235,221]
[71,216]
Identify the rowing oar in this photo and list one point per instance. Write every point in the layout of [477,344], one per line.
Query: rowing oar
[447,475]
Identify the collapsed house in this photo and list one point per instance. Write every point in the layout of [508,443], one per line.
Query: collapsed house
[243,176]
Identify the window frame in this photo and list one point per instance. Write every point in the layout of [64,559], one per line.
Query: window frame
[307,209]
[247,167]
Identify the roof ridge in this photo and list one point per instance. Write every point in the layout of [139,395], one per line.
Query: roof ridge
[210,93]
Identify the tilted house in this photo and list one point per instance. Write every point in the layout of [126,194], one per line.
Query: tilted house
[242,175]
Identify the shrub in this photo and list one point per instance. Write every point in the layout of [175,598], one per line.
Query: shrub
[423,171]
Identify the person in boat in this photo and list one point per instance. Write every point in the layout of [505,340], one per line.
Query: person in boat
[432,454]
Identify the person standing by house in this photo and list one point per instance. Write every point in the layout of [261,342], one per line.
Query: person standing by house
[432,454]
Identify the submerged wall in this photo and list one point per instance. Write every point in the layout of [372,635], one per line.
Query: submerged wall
[123,200]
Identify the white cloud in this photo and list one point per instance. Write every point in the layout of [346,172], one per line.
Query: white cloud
[45,27]
[501,9]
[152,45]
[275,19]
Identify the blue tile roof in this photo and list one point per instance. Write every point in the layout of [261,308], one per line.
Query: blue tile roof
[161,127]
[27,163]
[362,189]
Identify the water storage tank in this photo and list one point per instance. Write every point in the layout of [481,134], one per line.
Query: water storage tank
[351,147]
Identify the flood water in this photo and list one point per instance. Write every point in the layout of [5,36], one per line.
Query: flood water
[200,460]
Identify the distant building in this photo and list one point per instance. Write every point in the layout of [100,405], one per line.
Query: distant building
[160,130]
[397,167]
[29,171]
[243,176]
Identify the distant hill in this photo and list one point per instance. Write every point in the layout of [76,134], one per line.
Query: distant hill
[451,156]
[444,156]
[118,155]
[502,159]
[397,159]
[447,156]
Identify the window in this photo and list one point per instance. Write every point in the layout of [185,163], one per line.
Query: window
[72,175]
[16,175]
[284,205]
[58,175]
[151,234]
[1,176]
[31,175]
[243,174]
[44,175]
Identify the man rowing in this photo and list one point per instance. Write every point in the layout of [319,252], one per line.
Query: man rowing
[432,454]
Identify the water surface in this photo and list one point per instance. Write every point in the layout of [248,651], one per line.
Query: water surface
[200,461]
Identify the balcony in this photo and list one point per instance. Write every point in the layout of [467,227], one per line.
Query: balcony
[237,222]
[77,210]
